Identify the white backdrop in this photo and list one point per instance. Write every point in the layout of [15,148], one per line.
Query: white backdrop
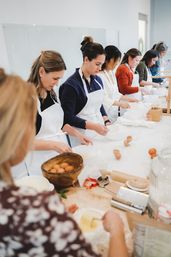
[25,42]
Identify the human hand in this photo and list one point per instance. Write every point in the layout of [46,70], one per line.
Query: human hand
[124,105]
[133,100]
[61,147]
[113,224]
[101,129]
[157,85]
[84,140]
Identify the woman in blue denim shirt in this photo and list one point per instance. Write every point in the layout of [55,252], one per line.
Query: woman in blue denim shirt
[161,48]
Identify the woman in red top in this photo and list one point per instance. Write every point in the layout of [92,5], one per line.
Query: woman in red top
[127,79]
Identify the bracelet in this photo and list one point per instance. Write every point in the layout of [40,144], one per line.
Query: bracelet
[106,121]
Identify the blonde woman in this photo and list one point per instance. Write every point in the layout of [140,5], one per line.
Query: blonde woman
[31,223]
[51,139]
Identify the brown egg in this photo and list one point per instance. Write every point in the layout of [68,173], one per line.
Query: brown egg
[152,152]
[64,165]
[47,166]
[129,138]
[61,170]
[69,168]
[126,143]
[56,166]
[53,170]
[117,154]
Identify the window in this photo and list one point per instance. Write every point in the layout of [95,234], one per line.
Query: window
[142,32]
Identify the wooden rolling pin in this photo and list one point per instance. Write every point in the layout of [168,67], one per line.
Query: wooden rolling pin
[119,176]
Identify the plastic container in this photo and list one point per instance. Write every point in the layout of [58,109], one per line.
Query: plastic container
[160,183]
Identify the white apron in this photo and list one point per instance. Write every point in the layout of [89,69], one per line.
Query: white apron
[91,111]
[149,75]
[135,83]
[52,121]
[113,111]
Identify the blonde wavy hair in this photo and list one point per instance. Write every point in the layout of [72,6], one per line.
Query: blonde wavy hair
[17,114]
[51,61]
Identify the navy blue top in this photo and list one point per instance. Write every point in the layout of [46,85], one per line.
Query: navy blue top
[73,98]
[155,69]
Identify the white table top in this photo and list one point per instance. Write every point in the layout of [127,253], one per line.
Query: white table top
[135,159]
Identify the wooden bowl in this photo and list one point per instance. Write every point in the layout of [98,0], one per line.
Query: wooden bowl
[63,169]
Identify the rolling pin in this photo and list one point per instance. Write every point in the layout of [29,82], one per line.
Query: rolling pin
[119,176]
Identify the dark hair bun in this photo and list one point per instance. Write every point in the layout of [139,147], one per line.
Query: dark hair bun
[86,40]
[2,75]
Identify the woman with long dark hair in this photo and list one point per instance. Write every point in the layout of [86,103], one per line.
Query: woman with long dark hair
[82,94]
[114,102]
[127,77]
[145,77]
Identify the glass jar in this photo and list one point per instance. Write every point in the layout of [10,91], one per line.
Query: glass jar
[160,184]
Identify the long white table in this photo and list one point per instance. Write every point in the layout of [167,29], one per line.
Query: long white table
[135,159]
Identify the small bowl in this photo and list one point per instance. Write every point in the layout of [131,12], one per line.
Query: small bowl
[62,178]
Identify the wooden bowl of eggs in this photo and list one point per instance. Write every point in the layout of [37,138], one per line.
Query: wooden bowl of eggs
[63,169]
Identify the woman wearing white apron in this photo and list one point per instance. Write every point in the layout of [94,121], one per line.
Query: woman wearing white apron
[143,68]
[51,139]
[127,79]
[156,69]
[114,103]
[81,95]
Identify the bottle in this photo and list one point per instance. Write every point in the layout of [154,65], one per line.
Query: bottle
[160,186]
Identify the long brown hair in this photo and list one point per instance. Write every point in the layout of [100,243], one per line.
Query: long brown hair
[133,52]
[51,61]
[17,112]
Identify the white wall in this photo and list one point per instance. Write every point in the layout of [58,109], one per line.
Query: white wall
[119,17]
[161,22]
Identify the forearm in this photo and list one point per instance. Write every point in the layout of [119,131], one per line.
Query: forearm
[117,246]
[145,83]
[127,89]
[49,145]
[73,120]
[116,103]
[71,130]
[90,125]
[41,145]
[131,89]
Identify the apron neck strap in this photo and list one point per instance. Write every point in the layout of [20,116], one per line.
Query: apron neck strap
[83,81]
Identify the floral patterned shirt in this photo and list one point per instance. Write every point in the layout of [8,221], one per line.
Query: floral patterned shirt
[36,224]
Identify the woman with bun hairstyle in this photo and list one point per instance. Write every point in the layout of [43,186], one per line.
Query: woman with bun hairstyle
[127,77]
[161,48]
[149,59]
[114,102]
[36,223]
[46,72]
[82,94]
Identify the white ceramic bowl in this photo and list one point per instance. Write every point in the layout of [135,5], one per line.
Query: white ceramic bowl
[40,183]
